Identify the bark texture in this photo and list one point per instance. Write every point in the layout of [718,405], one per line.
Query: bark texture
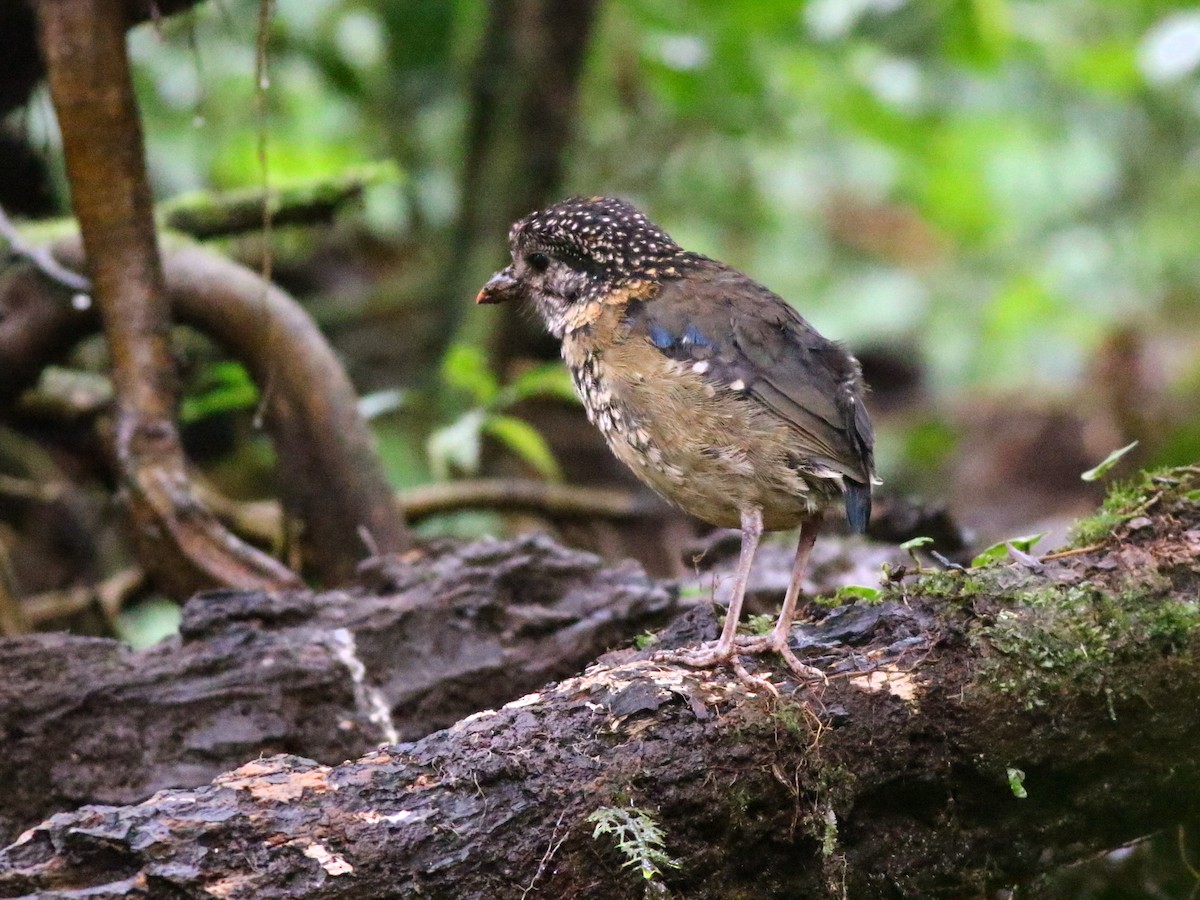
[181,543]
[1073,681]
[329,676]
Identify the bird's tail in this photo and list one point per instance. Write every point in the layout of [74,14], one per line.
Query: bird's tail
[858,505]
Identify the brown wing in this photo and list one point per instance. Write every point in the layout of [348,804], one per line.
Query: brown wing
[756,344]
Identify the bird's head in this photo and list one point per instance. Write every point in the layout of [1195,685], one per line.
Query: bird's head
[578,251]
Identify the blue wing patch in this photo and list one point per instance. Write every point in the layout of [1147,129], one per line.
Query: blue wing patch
[692,335]
[661,338]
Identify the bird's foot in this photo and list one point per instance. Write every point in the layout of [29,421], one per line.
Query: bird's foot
[775,642]
[711,655]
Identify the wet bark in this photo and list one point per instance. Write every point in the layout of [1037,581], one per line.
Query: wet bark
[329,676]
[331,480]
[83,44]
[902,775]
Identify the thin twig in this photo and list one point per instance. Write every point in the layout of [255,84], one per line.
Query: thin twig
[110,595]
[27,489]
[261,520]
[13,619]
[41,257]
[507,495]
[1075,551]
[1181,841]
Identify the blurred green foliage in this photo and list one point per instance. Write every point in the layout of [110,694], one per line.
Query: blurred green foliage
[991,186]
[995,182]
[149,622]
[222,387]
[457,446]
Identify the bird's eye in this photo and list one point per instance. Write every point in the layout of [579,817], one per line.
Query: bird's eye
[539,262]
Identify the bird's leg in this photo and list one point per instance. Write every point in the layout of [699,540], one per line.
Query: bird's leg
[777,640]
[722,650]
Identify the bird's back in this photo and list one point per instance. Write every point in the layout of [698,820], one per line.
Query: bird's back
[719,395]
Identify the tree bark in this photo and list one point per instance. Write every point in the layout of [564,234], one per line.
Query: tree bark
[977,728]
[330,478]
[438,636]
[83,43]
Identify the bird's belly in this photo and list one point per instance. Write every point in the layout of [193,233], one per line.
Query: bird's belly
[713,455]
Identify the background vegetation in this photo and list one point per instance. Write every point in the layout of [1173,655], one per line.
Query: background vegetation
[993,202]
[996,190]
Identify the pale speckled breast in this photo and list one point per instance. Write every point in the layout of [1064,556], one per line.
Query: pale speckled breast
[709,450]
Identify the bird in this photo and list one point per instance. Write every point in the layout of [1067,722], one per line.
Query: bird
[711,388]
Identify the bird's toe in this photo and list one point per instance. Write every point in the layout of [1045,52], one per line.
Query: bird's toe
[771,643]
[712,655]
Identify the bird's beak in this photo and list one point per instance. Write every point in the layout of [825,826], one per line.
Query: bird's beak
[500,287]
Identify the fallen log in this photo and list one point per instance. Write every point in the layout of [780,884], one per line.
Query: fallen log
[978,728]
[436,637]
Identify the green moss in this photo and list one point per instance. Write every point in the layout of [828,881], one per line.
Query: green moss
[1125,500]
[1068,639]
[795,719]
[956,586]
[757,624]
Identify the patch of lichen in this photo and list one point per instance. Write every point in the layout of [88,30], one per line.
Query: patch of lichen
[1060,640]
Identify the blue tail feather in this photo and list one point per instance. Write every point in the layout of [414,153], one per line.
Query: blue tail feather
[858,505]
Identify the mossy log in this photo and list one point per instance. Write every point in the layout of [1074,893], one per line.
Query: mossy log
[977,729]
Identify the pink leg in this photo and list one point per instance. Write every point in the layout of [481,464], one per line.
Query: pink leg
[721,652]
[808,537]
[752,529]
[777,640]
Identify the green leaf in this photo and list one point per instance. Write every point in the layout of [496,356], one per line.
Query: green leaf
[638,836]
[226,387]
[148,622]
[916,542]
[465,368]
[1109,461]
[456,446]
[1016,783]
[526,442]
[857,592]
[999,551]
[549,380]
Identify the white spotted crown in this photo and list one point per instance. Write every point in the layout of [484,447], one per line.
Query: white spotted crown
[609,238]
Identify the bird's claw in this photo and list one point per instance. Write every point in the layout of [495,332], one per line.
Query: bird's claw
[766,643]
[712,654]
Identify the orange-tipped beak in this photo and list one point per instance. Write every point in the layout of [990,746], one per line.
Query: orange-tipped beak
[500,287]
